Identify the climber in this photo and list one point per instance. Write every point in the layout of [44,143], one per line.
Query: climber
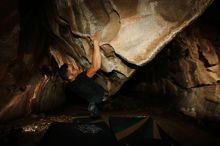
[80,81]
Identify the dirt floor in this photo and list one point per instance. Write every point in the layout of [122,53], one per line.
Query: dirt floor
[28,131]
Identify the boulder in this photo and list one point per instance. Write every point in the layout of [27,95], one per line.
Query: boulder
[42,35]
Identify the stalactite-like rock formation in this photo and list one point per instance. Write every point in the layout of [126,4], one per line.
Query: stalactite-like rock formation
[46,34]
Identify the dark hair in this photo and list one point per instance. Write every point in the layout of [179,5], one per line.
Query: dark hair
[63,71]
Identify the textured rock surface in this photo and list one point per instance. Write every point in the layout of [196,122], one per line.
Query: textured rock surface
[201,73]
[187,69]
[133,32]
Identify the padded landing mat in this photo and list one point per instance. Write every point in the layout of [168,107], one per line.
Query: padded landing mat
[140,131]
[123,131]
[79,134]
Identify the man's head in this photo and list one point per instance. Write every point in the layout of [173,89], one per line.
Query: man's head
[68,72]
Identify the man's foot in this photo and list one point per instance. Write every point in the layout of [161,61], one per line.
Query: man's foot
[94,111]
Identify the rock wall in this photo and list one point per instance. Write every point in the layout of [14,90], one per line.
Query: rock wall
[187,69]
[200,74]
[125,27]
[45,34]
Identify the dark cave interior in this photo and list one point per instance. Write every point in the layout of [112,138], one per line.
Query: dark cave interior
[144,93]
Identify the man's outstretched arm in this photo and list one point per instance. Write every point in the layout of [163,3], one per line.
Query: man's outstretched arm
[96,56]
